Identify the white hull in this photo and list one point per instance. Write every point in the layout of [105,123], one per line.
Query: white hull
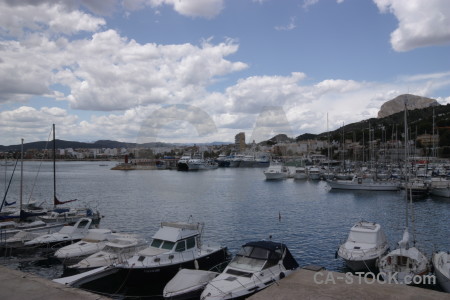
[403,265]
[374,186]
[441,192]
[441,263]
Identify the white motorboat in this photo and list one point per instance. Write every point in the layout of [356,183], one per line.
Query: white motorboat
[441,264]
[11,228]
[366,243]
[416,188]
[365,183]
[93,242]
[117,250]
[257,265]
[17,241]
[174,246]
[300,173]
[188,284]
[314,173]
[403,263]
[276,171]
[182,163]
[67,235]
[440,187]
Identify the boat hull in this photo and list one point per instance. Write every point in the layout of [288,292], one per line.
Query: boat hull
[441,262]
[340,185]
[148,281]
[361,265]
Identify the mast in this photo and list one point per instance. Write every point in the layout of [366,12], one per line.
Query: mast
[54,168]
[21,176]
[406,164]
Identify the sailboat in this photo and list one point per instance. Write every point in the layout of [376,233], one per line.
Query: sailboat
[66,215]
[405,263]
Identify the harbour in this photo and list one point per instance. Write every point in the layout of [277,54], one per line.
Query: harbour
[237,205]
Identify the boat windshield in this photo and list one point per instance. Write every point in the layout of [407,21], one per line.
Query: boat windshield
[157,243]
[254,259]
[362,237]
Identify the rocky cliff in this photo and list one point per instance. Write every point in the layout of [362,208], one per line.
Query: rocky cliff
[398,104]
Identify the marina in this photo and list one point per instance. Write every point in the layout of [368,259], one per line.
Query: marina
[237,206]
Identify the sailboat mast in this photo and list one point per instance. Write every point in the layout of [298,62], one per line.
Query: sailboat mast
[406,164]
[21,176]
[54,167]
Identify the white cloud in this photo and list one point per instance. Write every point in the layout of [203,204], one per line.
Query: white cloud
[421,23]
[308,3]
[192,8]
[288,27]
[51,18]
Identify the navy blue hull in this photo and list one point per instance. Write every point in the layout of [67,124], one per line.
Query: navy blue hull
[149,282]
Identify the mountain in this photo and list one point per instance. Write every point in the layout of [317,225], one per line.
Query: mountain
[398,104]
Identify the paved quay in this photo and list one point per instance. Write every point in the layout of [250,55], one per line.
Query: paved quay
[323,284]
[18,285]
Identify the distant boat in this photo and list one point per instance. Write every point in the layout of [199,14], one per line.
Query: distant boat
[440,187]
[365,183]
[276,171]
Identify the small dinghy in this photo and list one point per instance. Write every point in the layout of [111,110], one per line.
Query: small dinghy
[188,284]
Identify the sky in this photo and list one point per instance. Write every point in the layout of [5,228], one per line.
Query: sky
[199,71]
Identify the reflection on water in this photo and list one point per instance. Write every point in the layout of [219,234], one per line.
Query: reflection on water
[237,206]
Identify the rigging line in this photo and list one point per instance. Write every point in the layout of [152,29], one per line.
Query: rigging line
[9,184]
[39,169]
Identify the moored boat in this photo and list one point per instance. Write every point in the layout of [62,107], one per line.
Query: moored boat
[365,244]
[257,265]
[175,245]
[441,265]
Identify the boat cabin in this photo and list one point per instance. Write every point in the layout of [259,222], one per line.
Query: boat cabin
[173,237]
[366,233]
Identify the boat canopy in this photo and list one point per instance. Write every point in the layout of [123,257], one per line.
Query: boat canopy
[174,232]
[366,233]
[273,251]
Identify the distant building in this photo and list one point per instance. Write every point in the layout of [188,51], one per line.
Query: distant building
[428,140]
[239,141]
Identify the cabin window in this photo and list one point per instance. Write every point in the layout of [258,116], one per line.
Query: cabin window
[168,245]
[190,243]
[156,243]
[181,246]
[141,258]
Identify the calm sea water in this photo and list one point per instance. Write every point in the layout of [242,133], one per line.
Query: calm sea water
[236,205]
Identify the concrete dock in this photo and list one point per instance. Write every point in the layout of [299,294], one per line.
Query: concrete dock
[302,284]
[322,284]
[18,285]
